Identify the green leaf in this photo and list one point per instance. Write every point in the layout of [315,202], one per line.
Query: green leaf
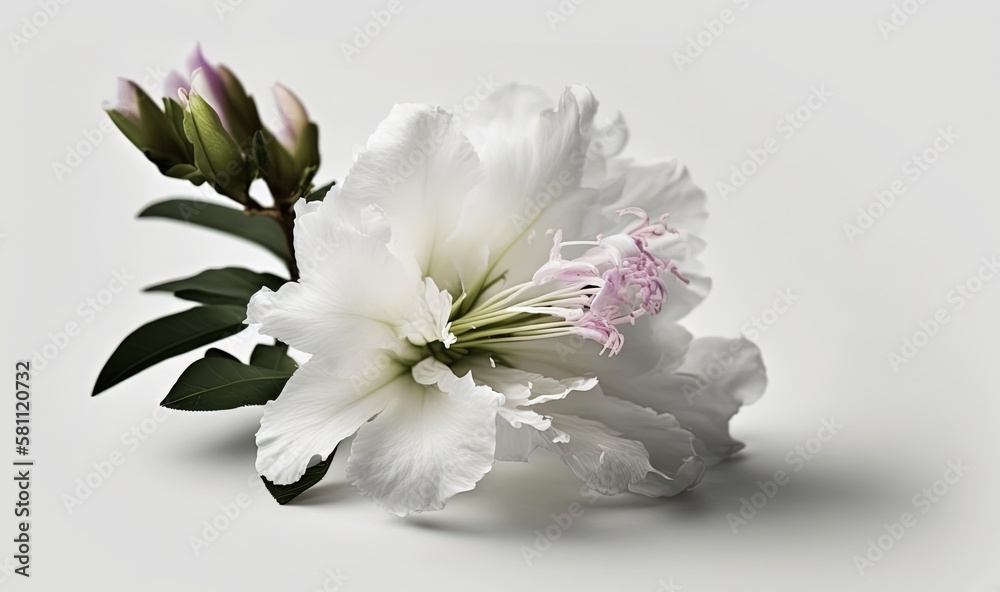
[261,230]
[320,193]
[228,285]
[167,337]
[313,475]
[274,357]
[214,352]
[212,384]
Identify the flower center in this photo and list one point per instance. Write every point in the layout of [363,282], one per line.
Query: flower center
[616,280]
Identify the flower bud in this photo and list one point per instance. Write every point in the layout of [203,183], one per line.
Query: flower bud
[154,131]
[287,161]
[223,91]
[216,153]
[292,157]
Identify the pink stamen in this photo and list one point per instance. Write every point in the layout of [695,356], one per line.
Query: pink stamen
[626,273]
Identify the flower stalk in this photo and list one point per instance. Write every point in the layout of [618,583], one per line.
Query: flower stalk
[284,215]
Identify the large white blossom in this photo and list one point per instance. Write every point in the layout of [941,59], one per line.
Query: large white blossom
[480,289]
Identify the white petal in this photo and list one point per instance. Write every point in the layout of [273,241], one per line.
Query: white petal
[672,341]
[663,187]
[428,445]
[522,389]
[515,444]
[653,343]
[320,224]
[303,207]
[509,112]
[529,171]
[728,374]
[418,167]
[430,372]
[670,447]
[519,428]
[608,139]
[717,378]
[685,477]
[348,306]
[682,297]
[315,411]
[607,462]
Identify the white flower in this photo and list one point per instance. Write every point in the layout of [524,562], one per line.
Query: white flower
[474,293]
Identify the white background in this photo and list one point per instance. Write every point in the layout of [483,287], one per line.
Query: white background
[783,230]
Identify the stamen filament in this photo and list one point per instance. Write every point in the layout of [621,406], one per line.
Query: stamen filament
[490,319]
[512,329]
[489,306]
[478,342]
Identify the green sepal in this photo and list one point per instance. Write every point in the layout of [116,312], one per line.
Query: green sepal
[216,153]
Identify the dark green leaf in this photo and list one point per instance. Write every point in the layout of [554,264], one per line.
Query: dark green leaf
[313,475]
[257,229]
[320,193]
[228,285]
[274,357]
[211,384]
[167,337]
[258,148]
[214,352]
